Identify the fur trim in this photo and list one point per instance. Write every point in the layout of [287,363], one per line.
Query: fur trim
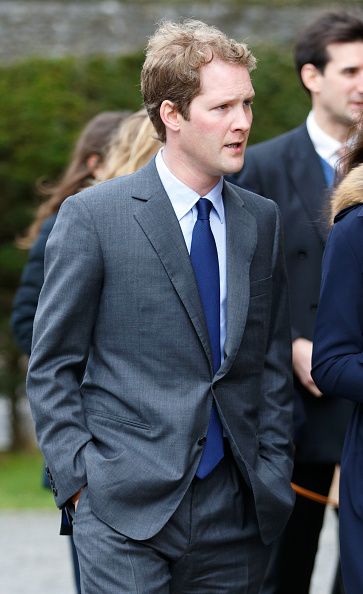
[349,192]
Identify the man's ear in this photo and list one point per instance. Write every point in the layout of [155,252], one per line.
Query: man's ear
[311,78]
[170,115]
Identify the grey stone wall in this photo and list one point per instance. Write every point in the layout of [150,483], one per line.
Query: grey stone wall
[56,29]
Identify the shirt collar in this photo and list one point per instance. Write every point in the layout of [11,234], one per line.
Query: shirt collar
[181,196]
[325,145]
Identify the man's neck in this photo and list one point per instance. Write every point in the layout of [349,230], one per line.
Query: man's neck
[337,130]
[202,184]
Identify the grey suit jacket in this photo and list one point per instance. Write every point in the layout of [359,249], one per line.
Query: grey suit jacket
[120,378]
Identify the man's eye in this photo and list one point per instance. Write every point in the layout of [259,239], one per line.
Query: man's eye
[350,71]
[222,107]
[248,102]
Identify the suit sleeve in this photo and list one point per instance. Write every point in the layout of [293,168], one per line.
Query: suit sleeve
[338,340]
[27,295]
[276,411]
[61,338]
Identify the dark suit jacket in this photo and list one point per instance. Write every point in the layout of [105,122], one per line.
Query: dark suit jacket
[338,370]
[120,378]
[287,169]
[26,297]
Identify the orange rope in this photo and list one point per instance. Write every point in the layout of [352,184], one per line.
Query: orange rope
[314,496]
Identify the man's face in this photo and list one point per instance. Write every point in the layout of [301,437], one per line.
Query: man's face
[340,86]
[213,141]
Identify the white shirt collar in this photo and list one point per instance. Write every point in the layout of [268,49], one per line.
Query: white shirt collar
[181,196]
[326,146]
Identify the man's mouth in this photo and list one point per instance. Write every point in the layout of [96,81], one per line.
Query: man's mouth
[234,145]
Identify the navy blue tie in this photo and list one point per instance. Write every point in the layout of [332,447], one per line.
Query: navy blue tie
[204,257]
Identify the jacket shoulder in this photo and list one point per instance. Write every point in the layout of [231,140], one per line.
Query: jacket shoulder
[255,203]
[278,144]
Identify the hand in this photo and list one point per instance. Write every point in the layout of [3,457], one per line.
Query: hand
[75,499]
[302,350]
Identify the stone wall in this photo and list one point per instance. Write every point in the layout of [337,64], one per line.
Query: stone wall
[57,29]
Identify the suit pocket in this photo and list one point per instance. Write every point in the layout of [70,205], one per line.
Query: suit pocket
[117,418]
[260,287]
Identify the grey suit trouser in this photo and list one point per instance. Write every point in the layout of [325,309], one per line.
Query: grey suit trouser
[211,544]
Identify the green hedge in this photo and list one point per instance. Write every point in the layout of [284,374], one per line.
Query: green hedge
[43,105]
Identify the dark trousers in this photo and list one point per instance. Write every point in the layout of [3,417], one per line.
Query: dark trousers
[292,560]
[211,544]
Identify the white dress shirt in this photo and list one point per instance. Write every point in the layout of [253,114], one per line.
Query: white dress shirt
[183,200]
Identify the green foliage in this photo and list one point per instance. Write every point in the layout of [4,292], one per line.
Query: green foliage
[280,103]
[21,482]
[44,103]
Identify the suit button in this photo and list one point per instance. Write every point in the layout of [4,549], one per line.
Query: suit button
[313,307]
[55,491]
[302,255]
[202,441]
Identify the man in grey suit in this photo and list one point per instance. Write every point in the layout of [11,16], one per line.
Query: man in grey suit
[160,371]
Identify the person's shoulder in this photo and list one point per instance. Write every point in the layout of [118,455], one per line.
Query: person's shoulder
[350,219]
[48,225]
[255,203]
[103,193]
[282,143]
[348,231]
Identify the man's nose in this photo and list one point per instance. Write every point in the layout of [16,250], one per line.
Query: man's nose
[243,119]
[360,82]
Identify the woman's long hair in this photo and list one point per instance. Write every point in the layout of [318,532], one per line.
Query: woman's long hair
[92,143]
[131,147]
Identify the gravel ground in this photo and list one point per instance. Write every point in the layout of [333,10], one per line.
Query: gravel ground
[35,560]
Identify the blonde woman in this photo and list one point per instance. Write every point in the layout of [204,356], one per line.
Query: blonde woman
[132,146]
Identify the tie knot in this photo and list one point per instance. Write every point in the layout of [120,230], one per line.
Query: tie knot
[204,207]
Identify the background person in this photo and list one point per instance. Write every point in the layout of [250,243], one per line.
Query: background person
[132,146]
[86,162]
[172,331]
[338,351]
[296,170]
[85,165]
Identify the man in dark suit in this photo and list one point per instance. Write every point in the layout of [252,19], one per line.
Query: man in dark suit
[160,371]
[296,170]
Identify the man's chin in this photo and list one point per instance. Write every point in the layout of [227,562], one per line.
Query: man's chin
[235,166]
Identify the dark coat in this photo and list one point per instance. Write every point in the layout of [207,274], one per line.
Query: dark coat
[288,170]
[338,370]
[26,297]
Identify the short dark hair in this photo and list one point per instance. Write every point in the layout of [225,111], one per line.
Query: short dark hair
[331,27]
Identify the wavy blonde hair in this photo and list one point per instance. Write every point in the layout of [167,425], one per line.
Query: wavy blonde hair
[132,146]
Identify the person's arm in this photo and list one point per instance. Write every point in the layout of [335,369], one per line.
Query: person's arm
[338,340]
[63,327]
[27,295]
[276,411]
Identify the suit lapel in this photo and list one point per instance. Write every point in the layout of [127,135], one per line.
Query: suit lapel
[309,181]
[161,226]
[241,231]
